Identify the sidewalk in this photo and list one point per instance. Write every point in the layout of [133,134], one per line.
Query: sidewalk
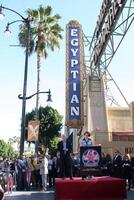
[130,194]
[41,195]
[30,195]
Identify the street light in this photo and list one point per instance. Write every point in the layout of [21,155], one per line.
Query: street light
[29,97]
[49,99]
[27,22]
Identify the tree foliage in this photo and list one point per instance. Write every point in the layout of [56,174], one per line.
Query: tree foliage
[53,144]
[6,150]
[15,143]
[45,31]
[50,125]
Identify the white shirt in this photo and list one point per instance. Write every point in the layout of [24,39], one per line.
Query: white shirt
[64,145]
[86,142]
[50,163]
[44,166]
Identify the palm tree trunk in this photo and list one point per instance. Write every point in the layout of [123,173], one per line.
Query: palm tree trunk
[38,75]
[38,85]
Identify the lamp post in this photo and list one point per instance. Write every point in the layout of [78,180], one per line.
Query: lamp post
[27,22]
[29,97]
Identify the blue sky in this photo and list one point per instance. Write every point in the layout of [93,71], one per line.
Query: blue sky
[53,69]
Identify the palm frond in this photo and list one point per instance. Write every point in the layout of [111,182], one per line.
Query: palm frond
[47,25]
[48,11]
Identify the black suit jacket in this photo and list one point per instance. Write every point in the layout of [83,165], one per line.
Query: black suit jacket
[68,146]
[117,160]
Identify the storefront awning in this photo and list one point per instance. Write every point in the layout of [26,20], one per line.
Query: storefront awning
[123,133]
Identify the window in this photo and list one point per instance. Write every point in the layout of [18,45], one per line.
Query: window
[123,138]
[115,138]
[131,138]
[129,150]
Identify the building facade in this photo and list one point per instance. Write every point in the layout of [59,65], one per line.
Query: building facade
[112,127]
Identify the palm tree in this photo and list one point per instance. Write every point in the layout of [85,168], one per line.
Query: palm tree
[45,34]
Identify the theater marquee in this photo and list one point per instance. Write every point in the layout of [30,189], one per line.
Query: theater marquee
[74,65]
[107,20]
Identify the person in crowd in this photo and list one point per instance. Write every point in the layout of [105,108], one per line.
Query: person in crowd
[6,165]
[1,192]
[58,165]
[54,169]
[86,141]
[132,165]
[76,165]
[44,171]
[50,171]
[12,167]
[38,175]
[28,174]
[65,149]
[109,164]
[22,173]
[126,169]
[117,162]
[17,174]
[10,183]
[33,166]
[103,164]
[106,165]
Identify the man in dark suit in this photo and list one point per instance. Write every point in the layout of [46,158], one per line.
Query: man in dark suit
[117,161]
[65,149]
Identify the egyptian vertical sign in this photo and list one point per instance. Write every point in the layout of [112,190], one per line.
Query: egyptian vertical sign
[74,74]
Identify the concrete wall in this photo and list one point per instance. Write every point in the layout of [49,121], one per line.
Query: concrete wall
[119,119]
[97,119]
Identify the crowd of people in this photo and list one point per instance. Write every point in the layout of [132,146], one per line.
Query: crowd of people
[39,172]
[31,173]
[120,166]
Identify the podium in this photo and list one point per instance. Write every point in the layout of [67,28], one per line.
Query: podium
[90,160]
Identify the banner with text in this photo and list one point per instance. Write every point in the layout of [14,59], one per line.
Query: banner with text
[74,75]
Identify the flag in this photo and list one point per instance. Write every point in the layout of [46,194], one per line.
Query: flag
[70,139]
[33,130]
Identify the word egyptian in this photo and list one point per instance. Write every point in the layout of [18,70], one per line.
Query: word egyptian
[74,72]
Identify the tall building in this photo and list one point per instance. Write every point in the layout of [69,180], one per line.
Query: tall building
[112,127]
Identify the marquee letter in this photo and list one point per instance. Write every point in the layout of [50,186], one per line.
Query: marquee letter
[75,111]
[74,86]
[74,42]
[74,51]
[74,32]
[74,62]
[74,72]
[74,99]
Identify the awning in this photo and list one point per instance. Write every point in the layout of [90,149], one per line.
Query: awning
[123,133]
